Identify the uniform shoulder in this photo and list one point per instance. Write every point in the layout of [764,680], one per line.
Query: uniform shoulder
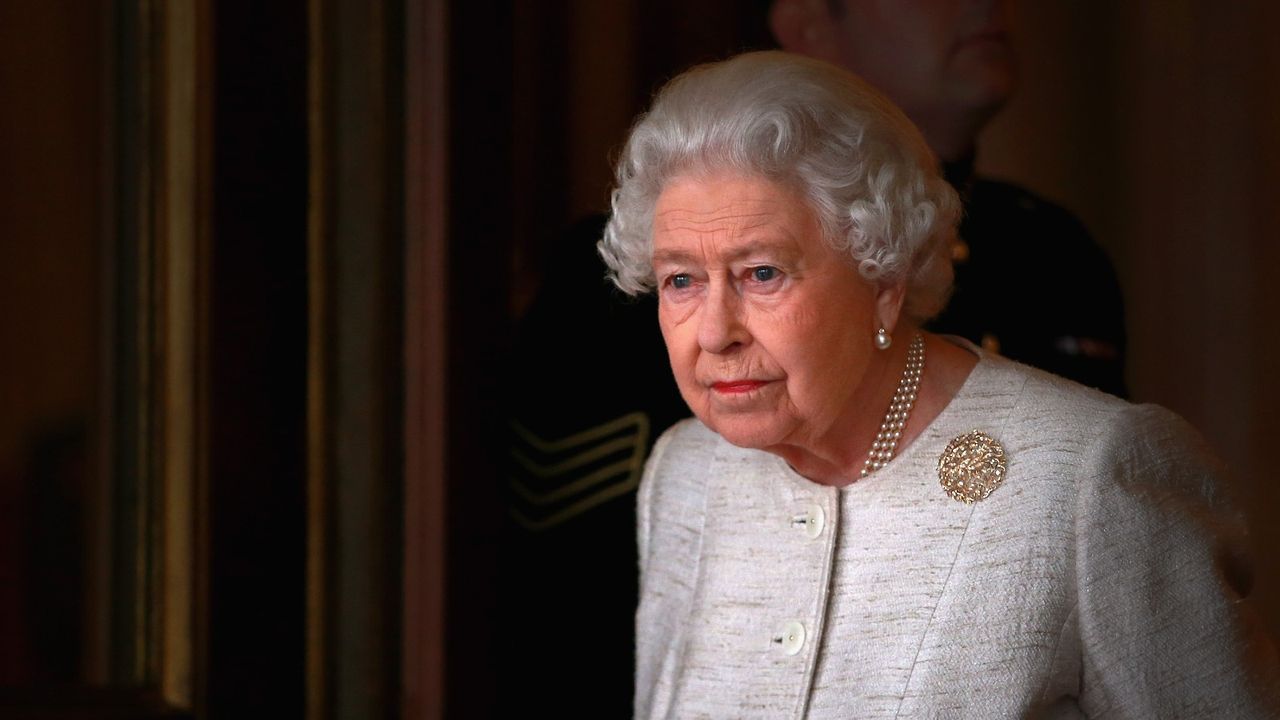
[989,191]
[1022,211]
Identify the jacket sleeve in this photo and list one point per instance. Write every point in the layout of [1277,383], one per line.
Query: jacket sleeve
[644,502]
[1162,578]
[672,500]
[648,647]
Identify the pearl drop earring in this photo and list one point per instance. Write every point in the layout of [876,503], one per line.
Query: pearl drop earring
[883,341]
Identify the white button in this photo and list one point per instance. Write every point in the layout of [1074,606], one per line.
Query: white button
[812,521]
[792,638]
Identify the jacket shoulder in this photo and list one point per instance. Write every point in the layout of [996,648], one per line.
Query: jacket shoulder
[670,500]
[676,468]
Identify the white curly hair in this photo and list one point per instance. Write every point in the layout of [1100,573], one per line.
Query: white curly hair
[864,169]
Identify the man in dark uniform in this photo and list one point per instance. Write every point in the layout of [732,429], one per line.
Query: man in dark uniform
[590,387]
[1030,282]
[1031,285]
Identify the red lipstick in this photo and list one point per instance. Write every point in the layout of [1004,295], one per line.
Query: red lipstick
[738,386]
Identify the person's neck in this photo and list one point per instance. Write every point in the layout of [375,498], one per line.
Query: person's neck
[952,138]
[956,150]
[837,456]
[959,173]
[837,461]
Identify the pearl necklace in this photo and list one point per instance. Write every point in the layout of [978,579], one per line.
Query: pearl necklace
[896,419]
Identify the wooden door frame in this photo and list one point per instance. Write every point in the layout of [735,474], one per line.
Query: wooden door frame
[426,352]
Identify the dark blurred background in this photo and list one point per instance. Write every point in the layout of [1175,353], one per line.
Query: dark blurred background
[259,263]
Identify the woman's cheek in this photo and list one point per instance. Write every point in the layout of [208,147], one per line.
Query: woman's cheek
[793,315]
[682,346]
[673,313]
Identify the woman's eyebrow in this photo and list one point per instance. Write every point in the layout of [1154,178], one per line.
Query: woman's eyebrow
[775,246]
[779,247]
[673,257]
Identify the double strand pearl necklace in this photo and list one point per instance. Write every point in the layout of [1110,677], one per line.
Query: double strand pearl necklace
[895,420]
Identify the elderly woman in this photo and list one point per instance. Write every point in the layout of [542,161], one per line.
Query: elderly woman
[866,520]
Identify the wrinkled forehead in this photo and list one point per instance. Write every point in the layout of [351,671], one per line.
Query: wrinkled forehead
[730,217]
[727,202]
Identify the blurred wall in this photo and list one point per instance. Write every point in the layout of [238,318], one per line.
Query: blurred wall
[1158,122]
[51,293]
[50,196]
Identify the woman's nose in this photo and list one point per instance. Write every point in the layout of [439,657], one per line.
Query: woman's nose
[720,324]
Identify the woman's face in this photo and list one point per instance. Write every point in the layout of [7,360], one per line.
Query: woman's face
[768,328]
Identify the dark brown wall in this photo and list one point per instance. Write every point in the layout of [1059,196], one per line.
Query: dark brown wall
[51,172]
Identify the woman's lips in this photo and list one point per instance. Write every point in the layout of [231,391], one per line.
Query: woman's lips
[734,387]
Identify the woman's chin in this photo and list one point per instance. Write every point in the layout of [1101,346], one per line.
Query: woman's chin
[743,431]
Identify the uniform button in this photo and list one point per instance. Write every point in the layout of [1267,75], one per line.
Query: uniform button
[812,521]
[792,638]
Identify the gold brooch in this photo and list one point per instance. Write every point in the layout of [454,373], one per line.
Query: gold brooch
[971,467]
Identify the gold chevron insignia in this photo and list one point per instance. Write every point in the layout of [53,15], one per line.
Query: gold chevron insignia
[553,481]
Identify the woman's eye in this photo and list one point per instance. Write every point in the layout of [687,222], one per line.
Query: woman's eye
[680,281]
[764,273]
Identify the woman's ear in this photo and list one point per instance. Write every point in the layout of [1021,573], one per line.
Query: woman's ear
[805,27]
[889,301]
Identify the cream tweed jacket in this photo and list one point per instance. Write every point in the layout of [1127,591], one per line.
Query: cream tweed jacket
[1104,578]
